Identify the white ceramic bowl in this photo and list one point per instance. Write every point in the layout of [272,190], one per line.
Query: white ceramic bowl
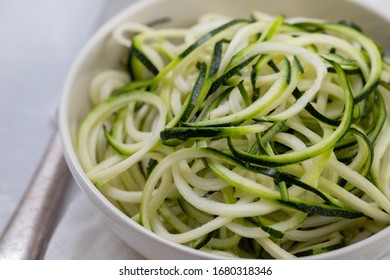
[93,58]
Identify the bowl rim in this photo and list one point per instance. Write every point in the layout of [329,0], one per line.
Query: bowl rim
[97,198]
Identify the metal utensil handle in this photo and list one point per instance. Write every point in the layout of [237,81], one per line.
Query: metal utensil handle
[27,235]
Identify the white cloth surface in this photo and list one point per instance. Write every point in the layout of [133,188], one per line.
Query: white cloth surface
[82,233]
[38,41]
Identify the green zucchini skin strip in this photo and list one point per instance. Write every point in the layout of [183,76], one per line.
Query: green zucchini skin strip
[307,207]
[197,95]
[193,47]
[273,232]
[217,55]
[309,107]
[320,251]
[203,241]
[256,107]
[380,115]
[177,135]
[375,56]
[136,54]
[322,210]
[228,74]
[312,151]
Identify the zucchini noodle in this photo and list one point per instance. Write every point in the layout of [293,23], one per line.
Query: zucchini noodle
[265,137]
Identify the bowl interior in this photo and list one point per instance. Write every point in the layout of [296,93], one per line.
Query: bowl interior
[100,53]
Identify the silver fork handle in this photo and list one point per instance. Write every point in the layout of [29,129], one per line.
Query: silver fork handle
[28,232]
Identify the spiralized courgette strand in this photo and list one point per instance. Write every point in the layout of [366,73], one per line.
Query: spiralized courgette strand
[265,137]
